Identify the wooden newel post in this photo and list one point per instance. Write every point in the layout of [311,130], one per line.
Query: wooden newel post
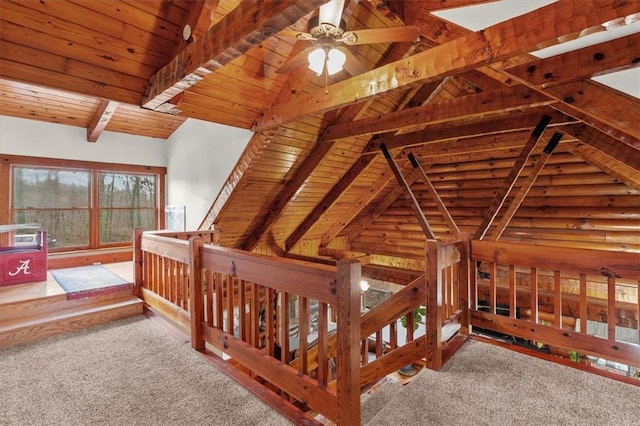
[464,282]
[137,262]
[196,300]
[434,306]
[348,359]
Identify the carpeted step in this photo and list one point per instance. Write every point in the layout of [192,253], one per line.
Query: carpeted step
[407,399]
[377,398]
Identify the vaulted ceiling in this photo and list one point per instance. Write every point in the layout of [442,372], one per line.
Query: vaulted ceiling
[457,131]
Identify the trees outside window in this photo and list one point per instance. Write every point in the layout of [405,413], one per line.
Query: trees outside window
[86,207]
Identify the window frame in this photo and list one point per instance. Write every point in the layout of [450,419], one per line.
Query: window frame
[8,162]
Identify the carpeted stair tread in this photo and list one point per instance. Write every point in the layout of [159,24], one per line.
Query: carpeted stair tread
[377,398]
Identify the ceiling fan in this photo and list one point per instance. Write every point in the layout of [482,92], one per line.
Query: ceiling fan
[327,32]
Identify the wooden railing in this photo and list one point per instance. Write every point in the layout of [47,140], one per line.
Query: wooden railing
[579,300]
[443,290]
[262,312]
[297,327]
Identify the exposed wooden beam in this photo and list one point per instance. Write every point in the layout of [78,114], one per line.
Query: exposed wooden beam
[478,105]
[201,15]
[477,149]
[432,5]
[434,30]
[511,38]
[100,119]
[434,195]
[515,121]
[422,220]
[617,159]
[602,107]
[612,166]
[516,170]
[244,27]
[625,154]
[521,194]
[614,55]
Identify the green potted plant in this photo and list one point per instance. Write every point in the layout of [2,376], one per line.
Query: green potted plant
[418,314]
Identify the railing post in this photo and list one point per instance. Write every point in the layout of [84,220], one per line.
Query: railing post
[196,301]
[464,274]
[434,306]
[137,262]
[348,350]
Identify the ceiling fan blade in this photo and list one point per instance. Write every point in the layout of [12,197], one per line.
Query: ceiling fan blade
[296,34]
[381,35]
[299,60]
[352,64]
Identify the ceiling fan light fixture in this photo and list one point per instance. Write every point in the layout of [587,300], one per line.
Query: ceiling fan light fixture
[317,57]
[335,61]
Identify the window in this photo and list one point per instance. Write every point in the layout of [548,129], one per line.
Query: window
[127,201]
[94,206]
[56,199]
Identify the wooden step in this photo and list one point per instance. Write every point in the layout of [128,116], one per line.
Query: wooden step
[83,315]
[42,306]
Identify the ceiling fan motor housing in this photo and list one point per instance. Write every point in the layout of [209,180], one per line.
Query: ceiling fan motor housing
[319,30]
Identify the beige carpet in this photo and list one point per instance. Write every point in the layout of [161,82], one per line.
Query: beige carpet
[488,385]
[129,372]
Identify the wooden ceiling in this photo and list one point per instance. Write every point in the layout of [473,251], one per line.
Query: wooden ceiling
[504,145]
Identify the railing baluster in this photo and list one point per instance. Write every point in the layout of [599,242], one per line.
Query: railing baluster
[393,335]
[210,297]
[611,307]
[323,359]
[230,322]
[557,299]
[285,328]
[219,314]
[255,315]
[242,301]
[493,282]
[534,294]
[270,312]
[512,291]
[583,303]
[303,333]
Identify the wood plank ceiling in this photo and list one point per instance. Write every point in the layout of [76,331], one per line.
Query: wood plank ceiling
[458,131]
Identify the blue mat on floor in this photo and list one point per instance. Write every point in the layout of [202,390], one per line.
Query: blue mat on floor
[86,278]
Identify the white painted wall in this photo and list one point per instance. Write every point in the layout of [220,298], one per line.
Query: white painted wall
[19,136]
[200,156]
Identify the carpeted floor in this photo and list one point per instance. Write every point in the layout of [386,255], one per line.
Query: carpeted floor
[129,372]
[488,385]
[133,372]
